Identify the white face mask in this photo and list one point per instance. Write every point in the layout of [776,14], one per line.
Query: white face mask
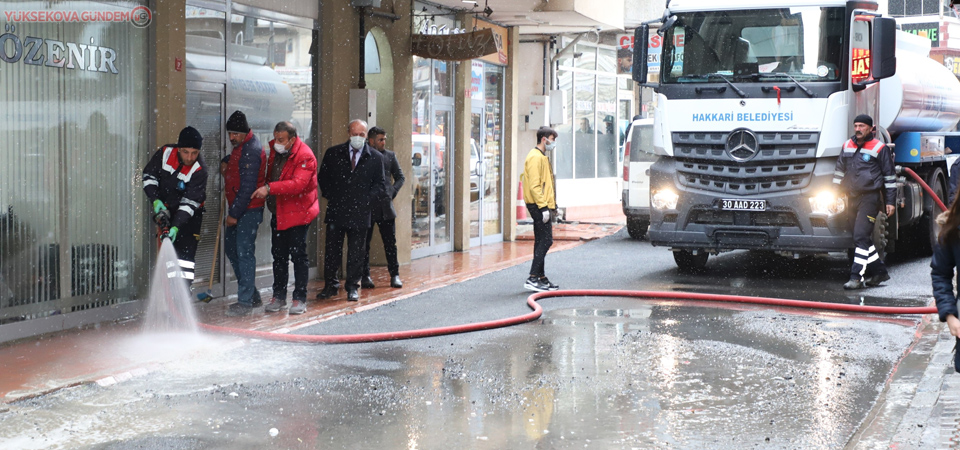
[356,142]
[551,145]
[279,148]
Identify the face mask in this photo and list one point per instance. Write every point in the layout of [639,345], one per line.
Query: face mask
[551,145]
[279,148]
[356,142]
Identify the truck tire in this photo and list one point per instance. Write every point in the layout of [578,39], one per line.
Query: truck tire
[637,228]
[688,262]
[927,228]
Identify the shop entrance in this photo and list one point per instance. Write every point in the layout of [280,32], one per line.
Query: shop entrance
[433,182]
[485,226]
[205,112]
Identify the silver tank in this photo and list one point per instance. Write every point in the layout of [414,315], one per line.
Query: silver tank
[923,95]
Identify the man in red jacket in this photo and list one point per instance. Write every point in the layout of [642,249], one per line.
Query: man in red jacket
[291,193]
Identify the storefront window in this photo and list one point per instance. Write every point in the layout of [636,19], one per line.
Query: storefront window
[74,119]
[563,157]
[492,154]
[608,138]
[584,116]
[586,57]
[206,38]
[271,81]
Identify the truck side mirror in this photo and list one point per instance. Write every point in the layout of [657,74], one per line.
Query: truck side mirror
[640,39]
[883,62]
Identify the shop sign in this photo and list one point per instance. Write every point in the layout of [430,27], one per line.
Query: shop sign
[928,30]
[37,51]
[500,39]
[454,47]
[952,63]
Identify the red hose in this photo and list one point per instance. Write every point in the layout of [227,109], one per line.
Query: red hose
[538,311]
[926,188]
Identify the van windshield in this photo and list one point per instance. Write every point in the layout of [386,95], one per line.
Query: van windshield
[805,43]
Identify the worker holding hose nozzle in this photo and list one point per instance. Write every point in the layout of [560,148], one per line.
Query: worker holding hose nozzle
[865,170]
[175,181]
[946,258]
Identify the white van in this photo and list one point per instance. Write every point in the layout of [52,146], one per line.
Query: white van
[637,158]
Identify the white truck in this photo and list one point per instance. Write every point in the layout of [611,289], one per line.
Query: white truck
[755,99]
[638,156]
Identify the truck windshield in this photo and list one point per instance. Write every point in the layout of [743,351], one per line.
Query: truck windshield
[805,43]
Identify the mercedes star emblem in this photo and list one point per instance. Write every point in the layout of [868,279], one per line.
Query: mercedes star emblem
[742,144]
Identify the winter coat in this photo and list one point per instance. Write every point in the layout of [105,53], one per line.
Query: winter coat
[946,258]
[537,181]
[296,190]
[869,169]
[181,188]
[350,192]
[244,174]
[383,208]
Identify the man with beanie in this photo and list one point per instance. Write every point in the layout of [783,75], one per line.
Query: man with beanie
[291,194]
[865,171]
[175,181]
[243,175]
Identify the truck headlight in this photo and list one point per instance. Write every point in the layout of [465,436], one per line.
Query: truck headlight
[664,199]
[828,203]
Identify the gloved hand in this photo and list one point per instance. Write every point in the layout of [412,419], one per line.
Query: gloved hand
[158,206]
[173,234]
[546,216]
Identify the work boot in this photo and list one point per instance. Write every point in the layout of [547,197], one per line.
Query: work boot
[875,280]
[395,282]
[275,305]
[329,291]
[298,307]
[853,284]
[238,310]
[367,282]
[256,302]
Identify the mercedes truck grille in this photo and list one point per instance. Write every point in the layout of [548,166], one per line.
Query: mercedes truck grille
[742,162]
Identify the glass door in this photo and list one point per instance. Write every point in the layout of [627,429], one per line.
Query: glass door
[205,112]
[432,184]
[486,154]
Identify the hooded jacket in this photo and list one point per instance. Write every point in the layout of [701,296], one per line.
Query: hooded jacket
[296,190]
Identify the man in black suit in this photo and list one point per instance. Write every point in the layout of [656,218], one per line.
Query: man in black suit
[350,177]
[384,214]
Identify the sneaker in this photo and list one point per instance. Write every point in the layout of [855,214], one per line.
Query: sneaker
[853,284]
[239,310]
[550,286]
[275,305]
[298,307]
[535,284]
[876,280]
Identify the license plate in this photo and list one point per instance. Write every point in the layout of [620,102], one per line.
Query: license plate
[743,205]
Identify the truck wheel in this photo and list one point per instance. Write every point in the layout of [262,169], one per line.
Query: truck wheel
[688,262]
[637,228]
[928,227]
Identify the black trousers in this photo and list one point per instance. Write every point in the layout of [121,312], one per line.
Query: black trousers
[333,254]
[542,240]
[188,238]
[388,233]
[286,245]
[866,260]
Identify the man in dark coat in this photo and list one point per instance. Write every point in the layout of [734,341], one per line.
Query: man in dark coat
[384,215]
[350,177]
[175,181]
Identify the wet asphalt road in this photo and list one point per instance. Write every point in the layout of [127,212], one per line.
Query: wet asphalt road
[592,373]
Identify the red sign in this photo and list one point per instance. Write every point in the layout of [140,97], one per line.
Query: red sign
[178,64]
[860,70]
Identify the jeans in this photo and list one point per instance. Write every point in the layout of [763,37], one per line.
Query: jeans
[239,241]
[286,245]
[542,240]
[388,233]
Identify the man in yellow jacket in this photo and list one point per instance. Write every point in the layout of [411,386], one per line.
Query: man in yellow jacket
[538,195]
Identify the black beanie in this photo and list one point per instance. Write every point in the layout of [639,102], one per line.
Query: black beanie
[190,138]
[237,123]
[864,119]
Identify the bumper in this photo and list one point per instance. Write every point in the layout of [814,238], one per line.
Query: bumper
[633,212]
[786,225]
